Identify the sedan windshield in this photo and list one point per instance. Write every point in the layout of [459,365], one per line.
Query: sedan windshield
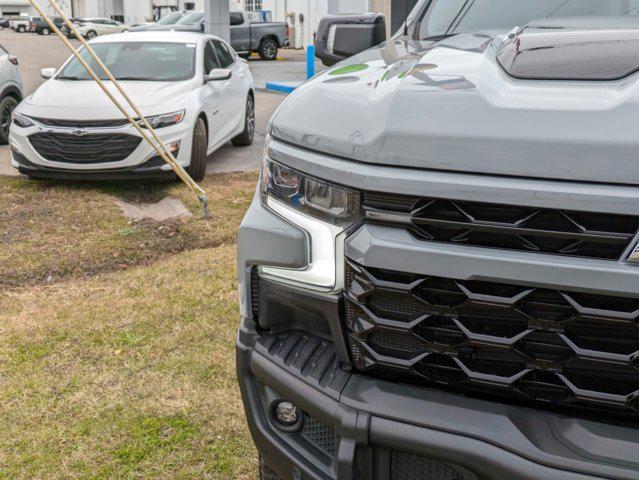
[191,18]
[170,19]
[142,61]
[448,17]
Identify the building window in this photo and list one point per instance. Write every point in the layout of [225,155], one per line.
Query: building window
[252,5]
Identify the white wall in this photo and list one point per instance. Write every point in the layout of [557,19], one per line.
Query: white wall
[136,11]
[313,10]
[22,6]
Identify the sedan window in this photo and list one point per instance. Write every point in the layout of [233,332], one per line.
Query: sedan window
[210,58]
[225,57]
[144,61]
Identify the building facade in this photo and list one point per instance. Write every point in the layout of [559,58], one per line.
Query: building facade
[13,8]
[303,16]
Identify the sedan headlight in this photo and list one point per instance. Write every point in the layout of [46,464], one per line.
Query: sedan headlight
[322,209]
[166,120]
[21,120]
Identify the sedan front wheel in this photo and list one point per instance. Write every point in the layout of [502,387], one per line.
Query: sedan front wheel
[245,138]
[7,105]
[199,157]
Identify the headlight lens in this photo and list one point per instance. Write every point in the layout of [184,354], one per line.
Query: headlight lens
[321,209]
[21,120]
[166,120]
[322,200]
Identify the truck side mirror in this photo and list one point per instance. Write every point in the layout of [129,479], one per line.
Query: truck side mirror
[342,36]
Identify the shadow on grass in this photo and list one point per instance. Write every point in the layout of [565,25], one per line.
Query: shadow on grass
[136,191]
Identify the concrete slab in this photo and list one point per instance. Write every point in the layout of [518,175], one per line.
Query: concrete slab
[292,68]
[166,209]
[5,162]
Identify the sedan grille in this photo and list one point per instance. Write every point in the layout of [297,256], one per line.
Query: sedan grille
[529,229]
[93,148]
[545,345]
[49,122]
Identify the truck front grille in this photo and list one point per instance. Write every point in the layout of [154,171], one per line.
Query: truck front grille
[530,229]
[92,148]
[544,345]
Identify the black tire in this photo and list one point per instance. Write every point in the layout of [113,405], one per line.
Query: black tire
[245,138]
[21,29]
[266,473]
[45,31]
[197,168]
[91,34]
[6,108]
[268,49]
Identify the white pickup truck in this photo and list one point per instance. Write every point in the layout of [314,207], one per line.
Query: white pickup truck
[22,24]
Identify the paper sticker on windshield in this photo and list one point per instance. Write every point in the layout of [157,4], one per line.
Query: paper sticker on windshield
[191,45]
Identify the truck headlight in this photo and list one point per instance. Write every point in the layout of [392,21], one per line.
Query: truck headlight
[21,120]
[160,121]
[322,209]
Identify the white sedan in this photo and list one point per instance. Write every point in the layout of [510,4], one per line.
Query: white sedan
[92,27]
[193,89]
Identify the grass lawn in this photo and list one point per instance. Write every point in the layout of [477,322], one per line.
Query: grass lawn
[116,337]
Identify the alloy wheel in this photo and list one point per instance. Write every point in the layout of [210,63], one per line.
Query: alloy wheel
[250,116]
[5,119]
[270,50]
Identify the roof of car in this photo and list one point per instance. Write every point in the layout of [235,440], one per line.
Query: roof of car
[151,36]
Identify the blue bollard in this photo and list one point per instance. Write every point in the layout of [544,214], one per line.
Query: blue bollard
[310,61]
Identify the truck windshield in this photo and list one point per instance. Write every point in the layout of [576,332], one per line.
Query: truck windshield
[448,17]
[141,61]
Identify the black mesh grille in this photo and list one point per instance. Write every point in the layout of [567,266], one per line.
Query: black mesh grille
[530,229]
[67,148]
[50,122]
[544,345]
[406,466]
[319,435]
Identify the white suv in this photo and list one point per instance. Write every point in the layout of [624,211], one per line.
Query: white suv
[191,87]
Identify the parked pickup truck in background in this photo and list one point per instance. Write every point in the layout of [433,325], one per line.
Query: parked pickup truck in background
[439,273]
[22,24]
[264,38]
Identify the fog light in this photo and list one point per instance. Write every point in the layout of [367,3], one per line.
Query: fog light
[287,414]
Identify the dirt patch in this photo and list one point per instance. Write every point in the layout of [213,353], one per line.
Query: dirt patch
[51,231]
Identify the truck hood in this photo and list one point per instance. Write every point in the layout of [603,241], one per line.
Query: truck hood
[64,99]
[449,105]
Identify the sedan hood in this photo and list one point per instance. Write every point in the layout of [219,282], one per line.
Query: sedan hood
[449,105]
[66,99]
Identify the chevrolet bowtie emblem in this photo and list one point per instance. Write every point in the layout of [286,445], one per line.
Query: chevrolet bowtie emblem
[80,132]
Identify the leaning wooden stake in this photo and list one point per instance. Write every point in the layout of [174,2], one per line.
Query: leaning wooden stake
[153,140]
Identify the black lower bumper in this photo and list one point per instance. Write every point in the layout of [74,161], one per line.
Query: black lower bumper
[383,430]
[151,169]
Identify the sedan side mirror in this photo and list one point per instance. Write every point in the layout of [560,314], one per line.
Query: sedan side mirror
[47,73]
[342,36]
[218,74]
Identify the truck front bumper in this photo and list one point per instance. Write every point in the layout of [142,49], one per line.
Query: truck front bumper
[363,428]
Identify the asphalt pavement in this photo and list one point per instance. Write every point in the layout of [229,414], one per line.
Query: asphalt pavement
[35,52]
